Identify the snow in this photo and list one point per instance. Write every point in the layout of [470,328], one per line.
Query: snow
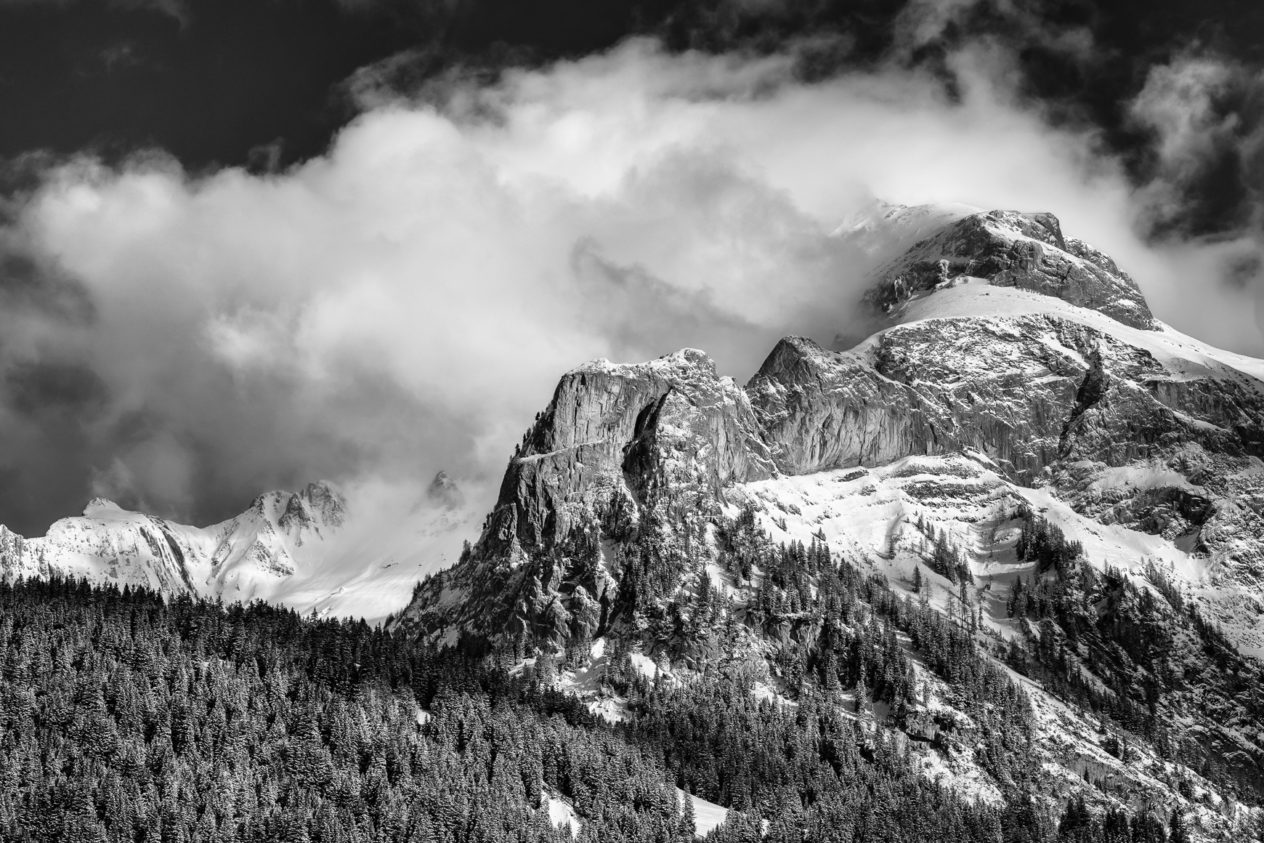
[562,813]
[961,775]
[587,684]
[1179,353]
[706,815]
[673,365]
[644,665]
[870,517]
[1140,476]
[765,692]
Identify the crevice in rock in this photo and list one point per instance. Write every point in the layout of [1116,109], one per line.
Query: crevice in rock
[639,463]
[1091,390]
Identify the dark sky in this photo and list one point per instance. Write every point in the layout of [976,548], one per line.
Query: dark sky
[181,339]
[218,82]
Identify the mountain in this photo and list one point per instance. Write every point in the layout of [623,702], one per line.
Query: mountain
[306,550]
[1010,543]
[1019,525]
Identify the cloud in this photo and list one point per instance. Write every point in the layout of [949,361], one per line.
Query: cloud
[406,301]
[1203,113]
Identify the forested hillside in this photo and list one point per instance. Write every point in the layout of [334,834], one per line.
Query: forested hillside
[127,718]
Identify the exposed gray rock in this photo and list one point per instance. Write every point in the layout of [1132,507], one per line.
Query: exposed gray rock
[1027,391]
[625,429]
[663,436]
[1009,249]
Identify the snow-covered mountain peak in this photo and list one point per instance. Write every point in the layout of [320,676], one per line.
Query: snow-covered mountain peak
[320,504]
[99,506]
[1028,251]
[311,550]
[444,492]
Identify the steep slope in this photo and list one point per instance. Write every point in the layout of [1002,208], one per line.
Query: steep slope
[304,550]
[1017,378]
[1147,428]
[614,439]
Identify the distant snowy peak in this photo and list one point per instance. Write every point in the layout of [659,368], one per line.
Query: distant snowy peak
[101,505]
[307,550]
[444,492]
[319,505]
[888,228]
[1027,251]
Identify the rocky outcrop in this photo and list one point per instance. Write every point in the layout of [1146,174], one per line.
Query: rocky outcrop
[316,507]
[1027,391]
[617,442]
[821,409]
[1009,249]
[624,430]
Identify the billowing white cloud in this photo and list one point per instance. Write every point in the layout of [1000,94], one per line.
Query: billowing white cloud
[1178,102]
[406,301]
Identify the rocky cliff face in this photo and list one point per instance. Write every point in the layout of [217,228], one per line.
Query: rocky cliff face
[1027,390]
[638,439]
[1005,339]
[624,430]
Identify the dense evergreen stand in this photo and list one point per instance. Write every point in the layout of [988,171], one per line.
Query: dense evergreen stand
[127,718]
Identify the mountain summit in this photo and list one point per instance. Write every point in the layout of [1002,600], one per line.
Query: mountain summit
[1011,249]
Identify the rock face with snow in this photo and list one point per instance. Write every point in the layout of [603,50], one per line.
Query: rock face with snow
[1031,391]
[1005,338]
[614,436]
[627,428]
[1009,249]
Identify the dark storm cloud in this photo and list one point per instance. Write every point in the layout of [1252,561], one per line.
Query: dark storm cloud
[1204,115]
[176,9]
